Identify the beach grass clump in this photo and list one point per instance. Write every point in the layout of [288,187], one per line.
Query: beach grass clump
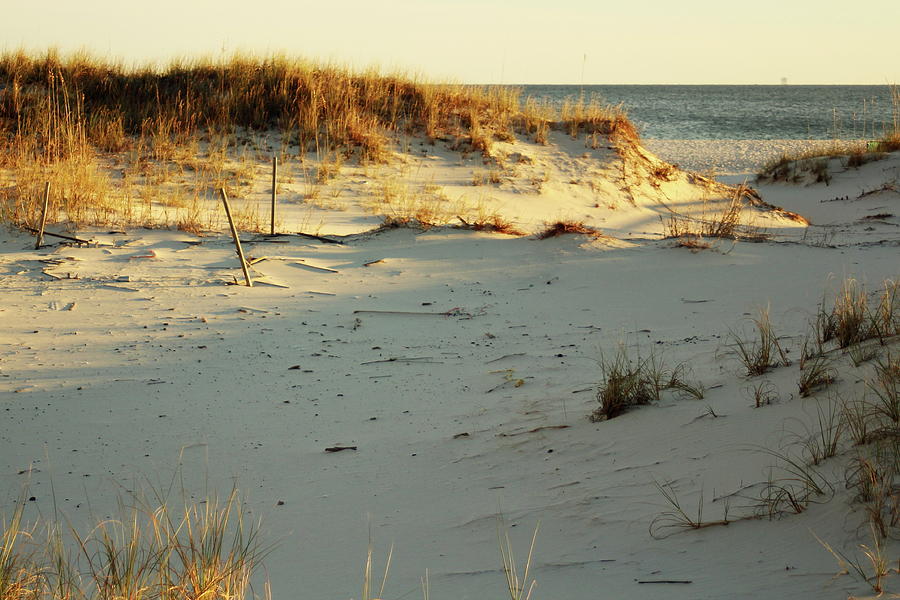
[793,484]
[854,319]
[763,393]
[873,423]
[823,440]
[760,350]
[21,573]
[885,386]
[628,382]
[876,556]
[593,116]
[725,222]
[207,550]
[816,373]
[519,586]
[677,517]
[811,166]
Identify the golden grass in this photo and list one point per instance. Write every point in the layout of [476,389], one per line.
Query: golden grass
[151,552]
[105,134]
[726,222]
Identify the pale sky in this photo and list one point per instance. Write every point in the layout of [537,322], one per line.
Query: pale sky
[495,41]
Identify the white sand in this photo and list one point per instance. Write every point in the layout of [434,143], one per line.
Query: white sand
[160,366]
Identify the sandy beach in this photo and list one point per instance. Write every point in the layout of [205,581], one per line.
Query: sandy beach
[426,383]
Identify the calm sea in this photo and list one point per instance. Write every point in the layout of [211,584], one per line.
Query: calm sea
[716,112]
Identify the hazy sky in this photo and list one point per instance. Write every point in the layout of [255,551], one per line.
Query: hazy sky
[496,41]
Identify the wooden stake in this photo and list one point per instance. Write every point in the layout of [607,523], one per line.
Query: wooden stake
[237,240]
[274,194]
[40,237]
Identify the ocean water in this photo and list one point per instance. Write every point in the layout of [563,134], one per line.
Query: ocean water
[743,112]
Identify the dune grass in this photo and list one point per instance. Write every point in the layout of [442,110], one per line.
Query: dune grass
[150,552]
[117,141]
[635,381]
[760,350]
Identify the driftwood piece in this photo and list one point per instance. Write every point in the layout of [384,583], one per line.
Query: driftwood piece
[428,360]
[401,312]
[339,448]
[303,263]
[320,238]
[59,235]
[505,356]
[535,430]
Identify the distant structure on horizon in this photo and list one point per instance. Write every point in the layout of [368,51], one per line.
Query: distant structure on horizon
[784,81]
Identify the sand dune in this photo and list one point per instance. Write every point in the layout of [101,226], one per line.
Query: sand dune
[461,367]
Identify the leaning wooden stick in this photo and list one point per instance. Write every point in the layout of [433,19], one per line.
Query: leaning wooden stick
[59,235]
[40,235]
[237,240]
[274,193]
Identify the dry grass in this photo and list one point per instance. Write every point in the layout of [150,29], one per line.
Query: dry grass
[593,116]
[815,374]
[116,142]
[405,204]
[876,556]
[628,382]
[483,219]
[521,586]
[677,518]
[853,319]
[726,223]
[760,350]
[205,551]
[812,166]
[566,228]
